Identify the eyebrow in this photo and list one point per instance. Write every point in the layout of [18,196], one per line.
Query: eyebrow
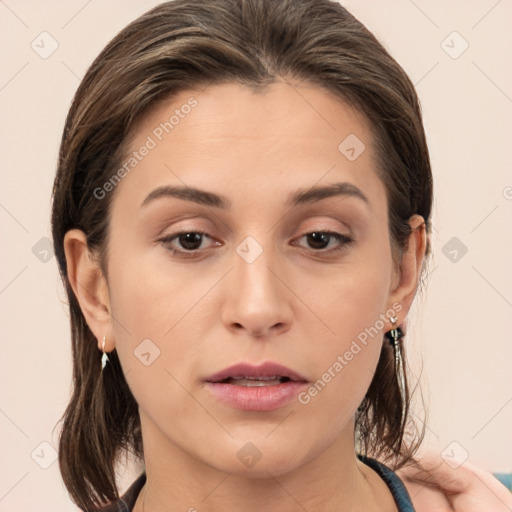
[317,193]
[298,197]
[188,194]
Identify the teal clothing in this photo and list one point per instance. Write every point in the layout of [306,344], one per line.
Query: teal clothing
[402,499]
[505,479]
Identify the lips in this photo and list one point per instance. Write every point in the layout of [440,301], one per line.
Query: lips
[262,388]
[266,374]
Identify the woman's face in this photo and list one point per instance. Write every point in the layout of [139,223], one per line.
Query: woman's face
[263,176]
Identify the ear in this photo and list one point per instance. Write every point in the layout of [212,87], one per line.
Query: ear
[89,286]
[406,280]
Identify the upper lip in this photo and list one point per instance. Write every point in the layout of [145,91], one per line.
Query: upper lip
[267,369]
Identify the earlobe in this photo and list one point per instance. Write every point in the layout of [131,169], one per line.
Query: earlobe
[89,285]
[411,265]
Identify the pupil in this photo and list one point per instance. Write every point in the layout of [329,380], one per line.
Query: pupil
[190,241]
[318,240]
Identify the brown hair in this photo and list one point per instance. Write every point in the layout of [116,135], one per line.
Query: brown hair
[183,44]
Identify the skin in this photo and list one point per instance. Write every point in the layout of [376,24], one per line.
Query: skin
[295,304]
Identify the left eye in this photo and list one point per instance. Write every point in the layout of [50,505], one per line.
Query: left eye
[319,240]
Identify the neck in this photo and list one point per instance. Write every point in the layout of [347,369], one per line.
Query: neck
[332,481]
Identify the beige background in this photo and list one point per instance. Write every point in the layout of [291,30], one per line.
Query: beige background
[464,333]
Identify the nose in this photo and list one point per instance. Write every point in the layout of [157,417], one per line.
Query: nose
[257,300]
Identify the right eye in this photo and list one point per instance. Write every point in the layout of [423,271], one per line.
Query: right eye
[185,243]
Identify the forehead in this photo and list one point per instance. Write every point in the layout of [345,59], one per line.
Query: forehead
[229,137]
[281,109]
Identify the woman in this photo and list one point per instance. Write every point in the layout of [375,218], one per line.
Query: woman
[241,217]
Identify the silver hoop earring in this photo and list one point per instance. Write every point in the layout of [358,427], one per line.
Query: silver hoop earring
[394,335]
[104,357]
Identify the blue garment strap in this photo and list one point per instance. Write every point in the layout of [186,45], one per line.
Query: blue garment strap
[399,492]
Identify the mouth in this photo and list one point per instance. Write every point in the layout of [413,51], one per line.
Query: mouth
[256,388]
[246,374]
[252,382]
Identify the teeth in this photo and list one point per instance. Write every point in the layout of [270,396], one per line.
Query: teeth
[254,382]
[273,377]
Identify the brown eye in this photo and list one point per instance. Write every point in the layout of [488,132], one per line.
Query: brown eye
[190,241]
[186,243]
[320,240]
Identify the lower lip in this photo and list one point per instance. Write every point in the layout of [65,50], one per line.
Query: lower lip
[256,398]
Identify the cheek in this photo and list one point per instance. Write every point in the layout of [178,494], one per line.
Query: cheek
[150,297]
[351,298]
[155,310]
[150,309]
[352,307]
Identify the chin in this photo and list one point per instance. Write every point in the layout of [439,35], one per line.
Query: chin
[263,469]
[261,458]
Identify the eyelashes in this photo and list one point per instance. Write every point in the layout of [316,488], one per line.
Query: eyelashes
[184,238]
[191,242]
[322,237]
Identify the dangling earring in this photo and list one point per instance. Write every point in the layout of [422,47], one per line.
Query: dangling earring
[394,336]
[104,357]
